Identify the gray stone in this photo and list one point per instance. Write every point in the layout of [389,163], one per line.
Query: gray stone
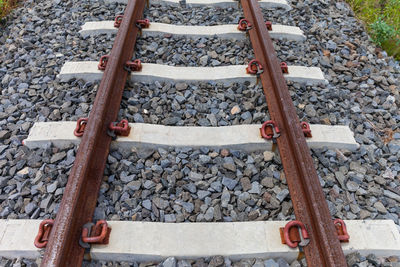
[30,208]
[202,194]
[169,262]
[138,118]
[189,207]
[352,186]
[282,263]
[229,183]
[125,178]
[310,111]
[268,156]
[282,195]
[229,166]
[181,86]
[184,263]
[160,203]
[204,159]
[57,157]
[146,204]
[52,187]
[225,198]
[340,178]
[270,263]
[169,218]
[379,206]
[209,215]
[391,195]
[195,177]
[268,182]
[134,185]
[203,60]
[255,188]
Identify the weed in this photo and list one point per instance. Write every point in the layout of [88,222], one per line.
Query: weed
[381,31]
[382,18]
[5,7]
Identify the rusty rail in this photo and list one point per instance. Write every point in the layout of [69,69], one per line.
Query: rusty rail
[306,193]
[80,196]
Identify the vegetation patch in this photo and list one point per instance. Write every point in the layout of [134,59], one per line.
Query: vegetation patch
[382,18]
[5,7]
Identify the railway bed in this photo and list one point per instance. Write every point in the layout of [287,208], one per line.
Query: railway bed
[228,162]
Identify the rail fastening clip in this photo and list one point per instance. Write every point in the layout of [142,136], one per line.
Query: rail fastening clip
[43,234]
[341,230]
[118,21]
[121,128]
[302,231]
[98,233]
[80,127]
[306,129]
[103,62]
[135,65]
[244,25]
[284,68]
[269,130]
[269,25]
[254,67]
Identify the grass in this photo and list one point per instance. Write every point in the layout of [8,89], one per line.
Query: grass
[382,18]
[5,7]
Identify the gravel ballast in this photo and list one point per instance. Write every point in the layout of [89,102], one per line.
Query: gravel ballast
[186,185]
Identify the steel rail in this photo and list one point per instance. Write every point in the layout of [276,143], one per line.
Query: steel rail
[308,199]
[80,196]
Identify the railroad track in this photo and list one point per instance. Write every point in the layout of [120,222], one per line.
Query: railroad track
[282,132]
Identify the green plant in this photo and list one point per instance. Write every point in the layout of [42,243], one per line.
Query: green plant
[382,18]
[382,32]
[5,7]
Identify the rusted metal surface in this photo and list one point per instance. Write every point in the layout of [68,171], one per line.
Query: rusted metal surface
[293,233]
[118,20]
[269,25]
[80,196]
[135,65]
[80,127]
[103,62]
[341,230]
[98,233]
[306,129]
[244,25]
[121,128]
[43,234]
[304,239]
[269,130]
[305,190]
[284,68]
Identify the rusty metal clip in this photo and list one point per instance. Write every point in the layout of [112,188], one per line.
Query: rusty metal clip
[284,68]
[269,25]
[118,21]
[142,23]
[341,230]
[269,130]
[244,25]
[135,65]
[254,67]
[302,231]
[103,62]
[306,129]
[80,127]
[119,128]
[98,233]
[44,232]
